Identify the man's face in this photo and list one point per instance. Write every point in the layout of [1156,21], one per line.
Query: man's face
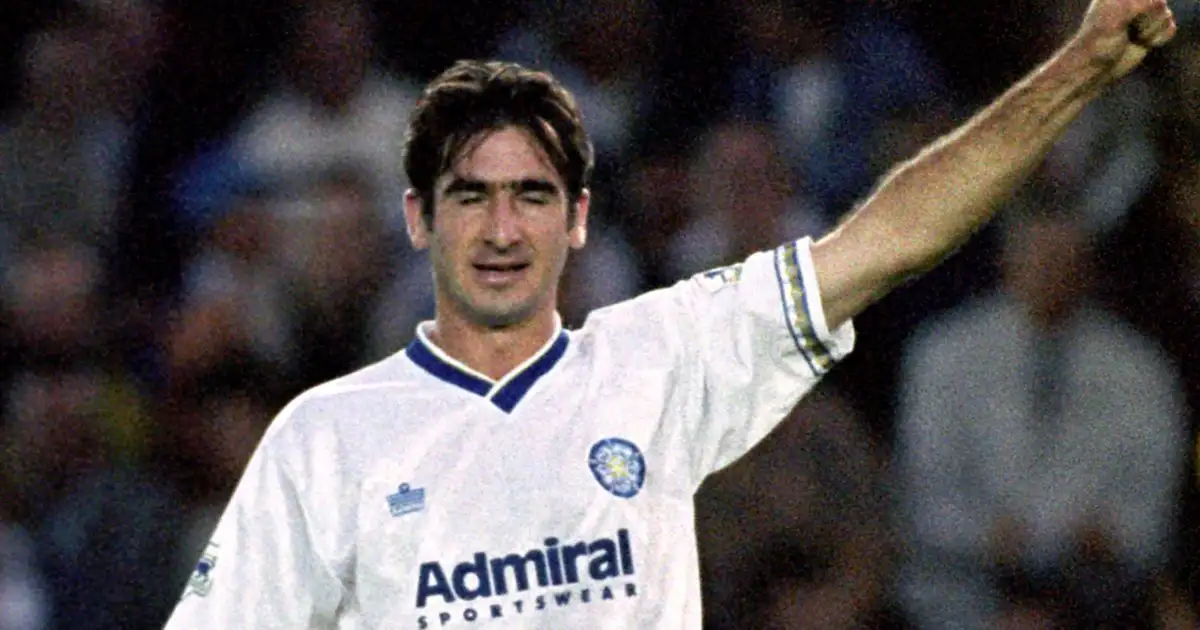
[500,234]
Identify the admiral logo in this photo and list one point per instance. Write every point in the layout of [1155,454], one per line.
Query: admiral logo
[406,500]
[482,578]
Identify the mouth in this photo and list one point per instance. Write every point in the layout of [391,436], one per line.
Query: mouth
[499,273]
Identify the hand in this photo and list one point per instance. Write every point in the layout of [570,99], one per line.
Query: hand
[1118,34]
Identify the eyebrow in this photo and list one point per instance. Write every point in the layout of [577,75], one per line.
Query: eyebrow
[465,185]
[461,185]
[533,185]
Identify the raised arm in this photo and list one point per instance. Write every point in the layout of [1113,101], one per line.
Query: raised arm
[928,206]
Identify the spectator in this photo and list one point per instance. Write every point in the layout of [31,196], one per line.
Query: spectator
[64,153]
[333,105]
[234,296]
[741,198]
[1022,415]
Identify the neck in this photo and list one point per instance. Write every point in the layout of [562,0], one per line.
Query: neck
[493,352]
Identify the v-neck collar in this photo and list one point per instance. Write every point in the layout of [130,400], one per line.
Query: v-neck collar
[504,393]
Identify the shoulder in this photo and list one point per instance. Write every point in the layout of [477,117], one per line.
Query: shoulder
[686,296]
[646,327]
[349,403]
[676,316]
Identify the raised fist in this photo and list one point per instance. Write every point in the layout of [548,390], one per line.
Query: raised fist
[1119,33]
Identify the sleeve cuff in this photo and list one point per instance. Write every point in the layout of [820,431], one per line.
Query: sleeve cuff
[802,310]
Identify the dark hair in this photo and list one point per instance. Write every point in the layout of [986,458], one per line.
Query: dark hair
[476,96]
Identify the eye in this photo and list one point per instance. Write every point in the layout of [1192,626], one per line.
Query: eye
[468,199]
[536,198]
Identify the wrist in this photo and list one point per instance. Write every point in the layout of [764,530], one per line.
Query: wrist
[1107,55]
[1085,64]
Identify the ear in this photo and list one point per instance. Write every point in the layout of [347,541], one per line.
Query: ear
[418,231]
[577,231]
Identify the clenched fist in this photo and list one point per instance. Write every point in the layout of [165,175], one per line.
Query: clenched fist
[1119,33]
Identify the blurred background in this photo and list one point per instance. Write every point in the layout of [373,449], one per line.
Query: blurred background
[200,216]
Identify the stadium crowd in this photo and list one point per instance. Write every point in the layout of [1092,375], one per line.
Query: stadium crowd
[200,217]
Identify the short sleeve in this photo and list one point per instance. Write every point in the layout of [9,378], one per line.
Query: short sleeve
[261,569]
[762,343]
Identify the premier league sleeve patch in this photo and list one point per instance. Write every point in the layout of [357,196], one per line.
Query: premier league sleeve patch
[200,583]
[714,280]
[619,466]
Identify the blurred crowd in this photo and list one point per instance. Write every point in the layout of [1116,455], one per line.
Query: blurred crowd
[200,217]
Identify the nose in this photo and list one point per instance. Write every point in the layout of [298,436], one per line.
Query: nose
[503,229]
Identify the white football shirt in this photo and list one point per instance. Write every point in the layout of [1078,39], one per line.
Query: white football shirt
[417,493]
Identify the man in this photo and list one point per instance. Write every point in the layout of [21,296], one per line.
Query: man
[502,472]
[1021,412]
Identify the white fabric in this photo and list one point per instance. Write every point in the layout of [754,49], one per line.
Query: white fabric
[692,375]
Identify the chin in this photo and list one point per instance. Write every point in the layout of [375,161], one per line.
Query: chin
[500,318]
[496,310]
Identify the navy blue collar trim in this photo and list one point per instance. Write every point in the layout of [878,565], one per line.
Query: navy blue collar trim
[506,393]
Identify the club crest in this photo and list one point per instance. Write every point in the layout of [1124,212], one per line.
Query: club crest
[618,465]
